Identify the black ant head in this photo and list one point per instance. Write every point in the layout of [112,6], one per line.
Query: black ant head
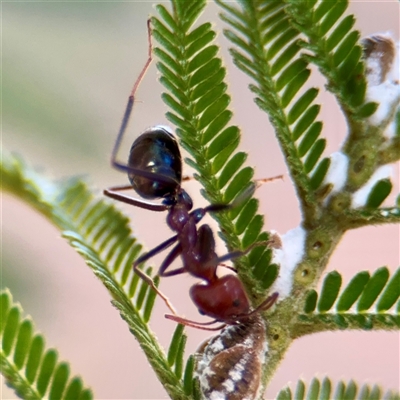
[156,164]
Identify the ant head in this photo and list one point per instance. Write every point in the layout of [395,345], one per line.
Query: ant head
[155,152]
[224,299]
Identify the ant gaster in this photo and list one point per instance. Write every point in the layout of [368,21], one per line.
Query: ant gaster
[154,169]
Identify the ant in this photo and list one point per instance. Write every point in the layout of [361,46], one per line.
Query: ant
[154,169]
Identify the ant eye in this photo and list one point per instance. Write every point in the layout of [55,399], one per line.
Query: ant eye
[201,312]
[236,303]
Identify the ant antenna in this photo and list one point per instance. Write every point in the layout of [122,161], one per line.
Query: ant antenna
[194,324]
[148,62]
[131,101]
[264,306]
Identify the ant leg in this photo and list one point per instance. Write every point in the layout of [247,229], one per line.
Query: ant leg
[125,120]
[233,269]
[242,197]
[142,275]
[194,324]
[113,192]
[199,213]
[116,164]
[147,278]
[156,250]
[174,253]
[239,253]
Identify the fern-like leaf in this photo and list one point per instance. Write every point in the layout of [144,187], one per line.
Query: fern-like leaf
[192,72]
[31,370]
[367,302]
[334,48]
[101,234]
[267,49]
[326,390]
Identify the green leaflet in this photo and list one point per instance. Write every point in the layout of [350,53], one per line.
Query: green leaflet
[23,342]
[319,173]
[326,390]
[34,357]
[314,154]
[330,290]
[311,301]
[353,291]
[188,381]
[174,346]
[379,192]
[339,32]
[390,293]
[305,121]
[309,138]
[250,210]
[231,167]
[373,288]
[46,371]
[31,370]
[301,105]
[60,380]
[335,12]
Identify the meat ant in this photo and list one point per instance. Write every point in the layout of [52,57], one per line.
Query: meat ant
[154,169]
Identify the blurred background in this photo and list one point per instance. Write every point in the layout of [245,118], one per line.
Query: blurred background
[67,70]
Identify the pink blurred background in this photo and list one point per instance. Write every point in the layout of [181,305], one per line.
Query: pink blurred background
[67,71]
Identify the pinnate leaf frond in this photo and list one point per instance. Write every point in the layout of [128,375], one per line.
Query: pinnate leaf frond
[193,74]
[325,389]
[367,302]
[101,235]
[33,371]
[266,47]
[335,49]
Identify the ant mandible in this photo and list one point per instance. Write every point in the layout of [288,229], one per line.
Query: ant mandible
[154,169]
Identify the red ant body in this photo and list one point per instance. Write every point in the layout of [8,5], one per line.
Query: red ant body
[154,169]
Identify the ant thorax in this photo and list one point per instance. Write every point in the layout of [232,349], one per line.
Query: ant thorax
[179,217]
[229,365]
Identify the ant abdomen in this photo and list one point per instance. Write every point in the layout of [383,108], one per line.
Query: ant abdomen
[155,151]
[223,300]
